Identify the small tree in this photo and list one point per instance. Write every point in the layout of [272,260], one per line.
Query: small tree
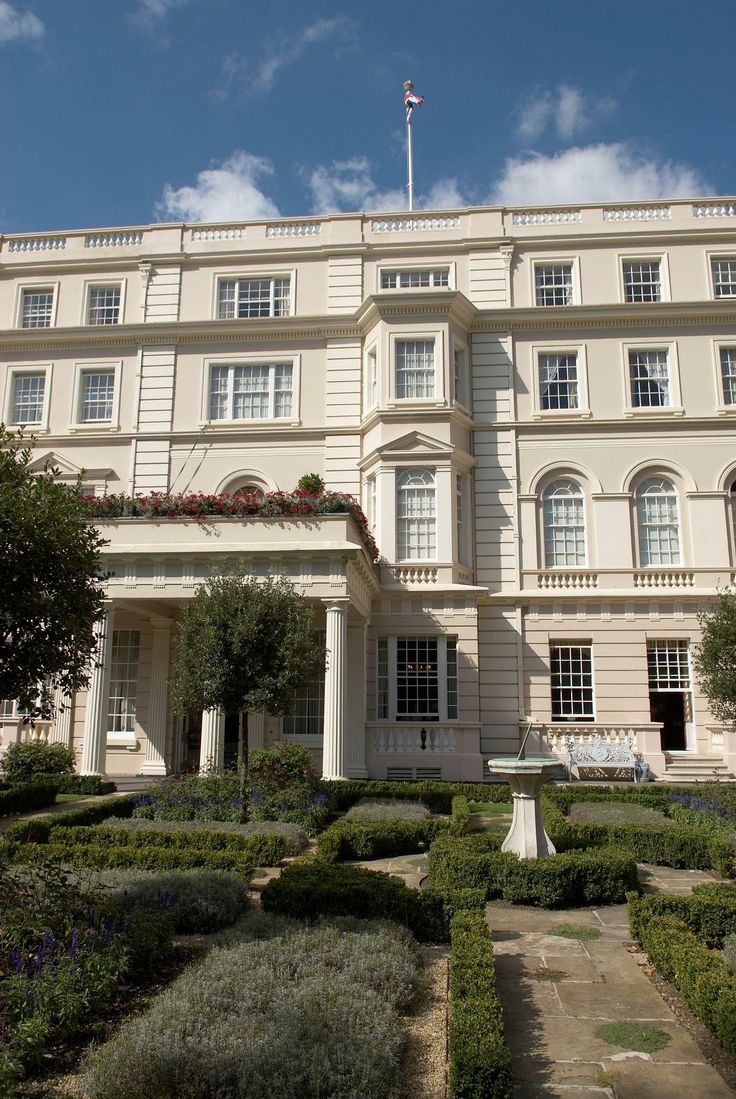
[244,645]
[715,657]
[52,591]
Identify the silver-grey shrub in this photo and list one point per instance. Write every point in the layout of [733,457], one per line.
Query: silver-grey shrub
[389,809]
[295,838]
[729,951]
[309,1015]
[200,900]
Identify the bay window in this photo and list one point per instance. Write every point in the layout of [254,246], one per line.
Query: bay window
[416,515]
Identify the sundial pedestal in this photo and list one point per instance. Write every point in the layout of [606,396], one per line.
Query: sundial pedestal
[526,777]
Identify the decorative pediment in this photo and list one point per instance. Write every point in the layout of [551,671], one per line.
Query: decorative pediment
[68,470]
[415,444]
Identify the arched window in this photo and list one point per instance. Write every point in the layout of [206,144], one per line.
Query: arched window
[563,512]
[416,515]
[250,489]
[657,522]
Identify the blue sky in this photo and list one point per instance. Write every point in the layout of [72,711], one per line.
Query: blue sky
[126,112]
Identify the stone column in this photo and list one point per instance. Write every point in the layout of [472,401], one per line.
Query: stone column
[95,718]
[355,748]
[155,761]
[256,729]
[334,763]
[212,748]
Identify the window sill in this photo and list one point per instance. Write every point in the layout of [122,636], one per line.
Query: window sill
[103,425]
[314,739]
[416,402]
[562,414]
[129,741]
[726,409]
[228,425]
[655,410]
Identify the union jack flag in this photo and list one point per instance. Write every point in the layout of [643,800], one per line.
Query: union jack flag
[410,102]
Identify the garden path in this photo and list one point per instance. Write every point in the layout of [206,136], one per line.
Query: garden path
[558,991]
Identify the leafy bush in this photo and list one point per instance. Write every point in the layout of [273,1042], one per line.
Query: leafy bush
[83,784]
[480,1065]
[27,796]
[703,979]
[729,951]
[284,764]
[25,762]
[387,809]
[192,797]
[197,900]
[601,876]
[349,838]
[295,839]
[460,821]
[309,1015]
[437,796]
[709,912]
[311,482]
[301,805]
[259,849]
[312,889]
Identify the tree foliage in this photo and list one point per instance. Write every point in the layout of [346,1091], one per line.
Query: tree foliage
[715,656]
[52,591]
[244,645]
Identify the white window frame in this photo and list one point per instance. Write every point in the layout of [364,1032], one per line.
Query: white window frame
[439,399]
[712,257]
[250,359]
[563,479]
[402,472]
[555,261]
[645,257]
[371,502]
[440,265]
[579,350]
[103,284]
[722,406]
[76,423]
[372,385]
[15,370]
[638,526]
[308,738]
[674,408]
[34,288]
[126,738]
[573,643]
[442,680]
[461,348]
[253,276]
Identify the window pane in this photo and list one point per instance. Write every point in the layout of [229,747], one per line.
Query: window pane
[415,368]
[728,374]
[37,308]
[553,284]
[307,714]
[219,392]
[392,280]
[649,377]
[724,277]
[97,394]
[28,394]
[558,382]
[255,391]
[416,516]
[104,305]
[564,526]
[250,392]
[642,280]
[668,664]
[417,680]
[123,681]
[243,298]
[451,677]
[382,679]
[657,524]
[571,680]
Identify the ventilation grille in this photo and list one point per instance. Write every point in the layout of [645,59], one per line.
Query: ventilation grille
[413,774]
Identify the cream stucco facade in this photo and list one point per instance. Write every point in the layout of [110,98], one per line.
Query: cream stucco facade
[535,408]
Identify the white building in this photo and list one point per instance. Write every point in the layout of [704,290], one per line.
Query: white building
[535,408]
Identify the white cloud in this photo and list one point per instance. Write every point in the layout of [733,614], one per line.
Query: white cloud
[593,173]
[566,110]
[228,192]
[15,25]
[151,13]
[261,77]
[348,185]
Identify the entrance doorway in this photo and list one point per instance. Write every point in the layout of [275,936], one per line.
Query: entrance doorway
[670,697]
[233,739]
[190,742]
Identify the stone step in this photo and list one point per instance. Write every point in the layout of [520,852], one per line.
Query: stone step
[131,784]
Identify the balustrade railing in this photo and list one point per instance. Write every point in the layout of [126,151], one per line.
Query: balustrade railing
[295,229]
[638,213]
[567,581]
[667,578]
[415,574]
[716,210]
[410,225]
[553,737]
[220,232]
[113,240]
[547,217]
[37,244]
[413,740]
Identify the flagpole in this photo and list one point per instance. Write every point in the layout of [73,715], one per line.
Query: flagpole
[409,87]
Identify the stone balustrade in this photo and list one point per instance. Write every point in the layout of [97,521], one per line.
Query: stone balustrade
[294,229]
[37,244]
[410,225]
[115,239]
[626,581]
[546,217]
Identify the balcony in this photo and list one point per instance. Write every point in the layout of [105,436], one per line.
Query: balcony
[421,576]
[625,582]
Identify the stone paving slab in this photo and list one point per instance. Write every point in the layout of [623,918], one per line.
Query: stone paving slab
[652,1080]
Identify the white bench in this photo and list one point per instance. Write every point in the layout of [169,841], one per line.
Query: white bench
[598,759]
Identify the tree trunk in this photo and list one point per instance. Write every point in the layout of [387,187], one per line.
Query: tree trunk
[243,763]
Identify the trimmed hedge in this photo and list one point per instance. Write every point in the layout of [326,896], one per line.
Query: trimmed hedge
[261,850]
[703,979]
[27,796]
[460,821]
[437,796]
[101,857]
[83,784]
[349,838]
[709,912]
[480,1064]
[38,831]
[311,889]
[683,846]
[598,876]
